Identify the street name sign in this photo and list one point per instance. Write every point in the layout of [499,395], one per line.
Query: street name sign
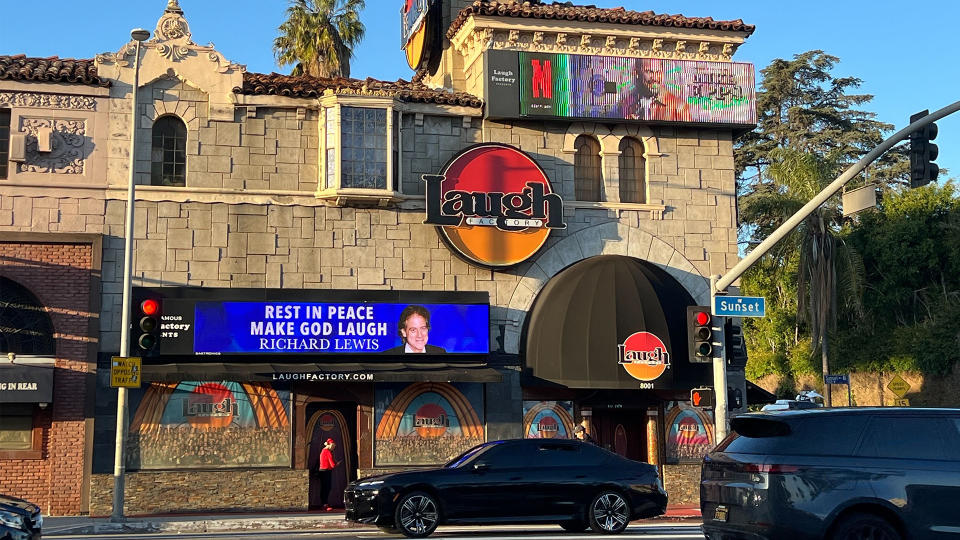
[837,379]
[899,386]
[739,306]
[125,372]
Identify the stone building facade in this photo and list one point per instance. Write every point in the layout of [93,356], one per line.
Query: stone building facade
[267,197]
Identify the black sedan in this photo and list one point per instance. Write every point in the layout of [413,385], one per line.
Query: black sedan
[19,519]
[571,483]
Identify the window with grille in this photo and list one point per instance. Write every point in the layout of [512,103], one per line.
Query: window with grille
[25,325]
[4,141]
[168,157]
[363,147]
[633,187]
[587,177]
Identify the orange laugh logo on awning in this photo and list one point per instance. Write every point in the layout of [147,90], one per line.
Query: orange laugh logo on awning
[644,356]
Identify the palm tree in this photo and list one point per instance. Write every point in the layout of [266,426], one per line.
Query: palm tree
[319,37]
[826,262]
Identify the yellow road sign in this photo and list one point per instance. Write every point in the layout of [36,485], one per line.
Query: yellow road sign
[901,402]
[125,372]
[899,386]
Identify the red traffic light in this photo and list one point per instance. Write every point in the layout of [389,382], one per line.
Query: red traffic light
[703,318]
[149,307]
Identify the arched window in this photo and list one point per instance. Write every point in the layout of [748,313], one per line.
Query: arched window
[587,176]
[25,326]
[168,158]
[633,185]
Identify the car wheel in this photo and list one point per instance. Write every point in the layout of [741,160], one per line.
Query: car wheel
[865,527]
[573,525]
[417,514]
[609,513]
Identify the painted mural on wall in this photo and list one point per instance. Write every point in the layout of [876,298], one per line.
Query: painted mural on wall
[426,423]
[548,419]
[209,424]
[689,433]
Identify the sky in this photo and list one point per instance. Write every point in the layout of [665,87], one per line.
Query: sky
[906,53]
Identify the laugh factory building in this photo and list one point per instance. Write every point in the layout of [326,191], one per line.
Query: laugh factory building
[505,246]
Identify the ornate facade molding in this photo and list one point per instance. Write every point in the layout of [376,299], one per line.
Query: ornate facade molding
[47,101]
[472,40]
[67,153]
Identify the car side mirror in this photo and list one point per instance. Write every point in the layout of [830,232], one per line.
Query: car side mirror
[480,467]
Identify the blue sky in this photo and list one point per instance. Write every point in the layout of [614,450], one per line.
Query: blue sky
[905,52]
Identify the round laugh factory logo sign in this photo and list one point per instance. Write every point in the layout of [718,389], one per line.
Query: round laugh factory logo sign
[644,356]
[493,204]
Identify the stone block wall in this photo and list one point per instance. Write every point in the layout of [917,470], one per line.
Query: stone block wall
[234,490]
[682,483]
[62,274]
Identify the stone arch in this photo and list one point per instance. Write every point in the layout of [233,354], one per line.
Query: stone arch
[605,239]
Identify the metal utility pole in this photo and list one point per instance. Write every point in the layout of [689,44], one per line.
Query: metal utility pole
[721,418]
[139,35]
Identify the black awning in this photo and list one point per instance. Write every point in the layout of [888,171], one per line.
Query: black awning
[26,383]
[584,313]
[756,395]
[313,372]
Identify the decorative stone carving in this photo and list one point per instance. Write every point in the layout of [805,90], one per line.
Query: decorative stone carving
[66,155]
[704,47]
[681,46]
[513,39]
[634,45]
[172,26]
[561,39]
[727,50]
[47,101]
[657,45]
[585,40]
[611,42]
[538,38]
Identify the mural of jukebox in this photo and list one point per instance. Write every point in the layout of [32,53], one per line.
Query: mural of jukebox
[209,425]
[548,419]
[427,423]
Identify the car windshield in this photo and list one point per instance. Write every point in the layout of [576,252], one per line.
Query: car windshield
[470,455]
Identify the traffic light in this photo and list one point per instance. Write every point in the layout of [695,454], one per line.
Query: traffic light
[700,335]
[702,398]
[735,346]
[149,325]
[734,398]
[922,153]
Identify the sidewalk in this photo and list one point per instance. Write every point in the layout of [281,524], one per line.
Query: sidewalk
[193,523]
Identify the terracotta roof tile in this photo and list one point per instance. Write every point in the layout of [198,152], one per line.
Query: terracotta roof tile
[275,84]
[53,69]
[534,9]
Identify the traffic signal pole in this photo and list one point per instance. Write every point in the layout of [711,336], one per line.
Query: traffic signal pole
[721,284]
[721,414]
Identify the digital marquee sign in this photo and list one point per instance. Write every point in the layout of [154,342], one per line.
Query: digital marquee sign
[557,85]
[395,324]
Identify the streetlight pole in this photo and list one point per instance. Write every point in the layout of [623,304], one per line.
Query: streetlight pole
[139,35]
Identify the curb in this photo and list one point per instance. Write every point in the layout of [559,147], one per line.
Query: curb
[205,526]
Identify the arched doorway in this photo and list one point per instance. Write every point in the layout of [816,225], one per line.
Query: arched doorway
[332,421]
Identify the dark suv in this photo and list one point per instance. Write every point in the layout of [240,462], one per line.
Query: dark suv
[878,473]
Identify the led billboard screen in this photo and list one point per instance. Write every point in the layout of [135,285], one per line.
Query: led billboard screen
[606,87]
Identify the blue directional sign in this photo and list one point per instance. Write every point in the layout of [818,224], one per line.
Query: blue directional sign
[739,306]
[837,379]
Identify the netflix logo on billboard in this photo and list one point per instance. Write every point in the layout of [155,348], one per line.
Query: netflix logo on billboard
[538,93]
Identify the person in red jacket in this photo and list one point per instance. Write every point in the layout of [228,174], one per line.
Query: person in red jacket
[327,464]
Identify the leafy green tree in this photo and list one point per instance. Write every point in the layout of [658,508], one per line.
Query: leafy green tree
[319,36]
[802,105]
[824,261]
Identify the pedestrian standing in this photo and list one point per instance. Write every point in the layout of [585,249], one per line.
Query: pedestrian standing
[581,433]
[327,464]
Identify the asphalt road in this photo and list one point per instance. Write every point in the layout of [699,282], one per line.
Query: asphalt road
[525,532]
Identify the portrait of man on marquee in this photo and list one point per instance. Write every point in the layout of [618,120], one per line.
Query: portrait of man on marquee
[414,330]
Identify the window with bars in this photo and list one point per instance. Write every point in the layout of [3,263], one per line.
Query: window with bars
[633,188]
[587,175]
[168,158]
[363,147]
[4,141]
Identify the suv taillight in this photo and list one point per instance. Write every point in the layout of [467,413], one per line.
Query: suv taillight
[770,468]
